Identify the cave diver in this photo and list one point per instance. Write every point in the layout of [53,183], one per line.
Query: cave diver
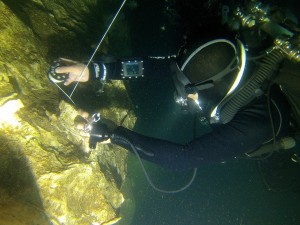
[248,99]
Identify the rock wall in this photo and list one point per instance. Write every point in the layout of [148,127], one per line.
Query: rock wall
[47,173]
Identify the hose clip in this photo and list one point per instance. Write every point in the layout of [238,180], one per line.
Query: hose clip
[89,125]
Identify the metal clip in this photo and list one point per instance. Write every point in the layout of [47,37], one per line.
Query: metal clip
[94,119]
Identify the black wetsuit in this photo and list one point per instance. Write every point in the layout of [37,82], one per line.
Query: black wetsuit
[248,130]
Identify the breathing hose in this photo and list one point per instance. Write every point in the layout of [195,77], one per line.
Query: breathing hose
[125,140]
[246,94]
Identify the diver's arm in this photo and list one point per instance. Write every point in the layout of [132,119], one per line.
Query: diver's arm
[223,144]
[151,67]
[121,69]
[248,130]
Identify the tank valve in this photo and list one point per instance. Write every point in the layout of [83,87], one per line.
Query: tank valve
[290,46]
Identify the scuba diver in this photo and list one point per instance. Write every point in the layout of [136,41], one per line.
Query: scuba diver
[208,79]
[241,94]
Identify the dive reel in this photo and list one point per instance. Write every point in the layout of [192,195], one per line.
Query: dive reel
[54,76]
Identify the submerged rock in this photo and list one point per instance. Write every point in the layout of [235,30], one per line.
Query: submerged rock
[47,173]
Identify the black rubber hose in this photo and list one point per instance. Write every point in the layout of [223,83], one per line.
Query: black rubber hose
[244,95]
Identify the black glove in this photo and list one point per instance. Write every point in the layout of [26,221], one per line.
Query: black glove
[99,132]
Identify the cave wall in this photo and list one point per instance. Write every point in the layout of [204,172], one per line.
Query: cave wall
[48,175]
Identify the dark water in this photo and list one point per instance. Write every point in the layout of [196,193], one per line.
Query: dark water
[224,194]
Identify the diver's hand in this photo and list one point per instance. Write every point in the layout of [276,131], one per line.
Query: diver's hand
[74,70]
[99,133]
[194,96]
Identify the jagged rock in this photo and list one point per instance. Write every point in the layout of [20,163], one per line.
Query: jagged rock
[47,173]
